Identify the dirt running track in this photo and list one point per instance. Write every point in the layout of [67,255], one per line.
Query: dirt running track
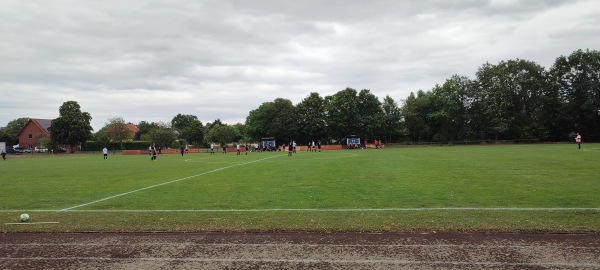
[298,251]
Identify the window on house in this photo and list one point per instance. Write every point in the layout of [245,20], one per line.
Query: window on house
[30,136]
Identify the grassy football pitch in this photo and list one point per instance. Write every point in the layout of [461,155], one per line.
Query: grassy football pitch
[509,188]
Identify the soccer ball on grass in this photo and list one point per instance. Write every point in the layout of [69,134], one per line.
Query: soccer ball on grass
[24,218]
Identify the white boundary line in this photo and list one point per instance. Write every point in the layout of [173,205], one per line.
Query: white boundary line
[307,209]
[166,183]
[31,223]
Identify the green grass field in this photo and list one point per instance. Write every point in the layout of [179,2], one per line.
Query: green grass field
[509,188]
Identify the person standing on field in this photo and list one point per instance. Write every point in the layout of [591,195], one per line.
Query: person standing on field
[153,158]
[3,155]
[578,141]
[290,149]
[224,148]
[246,146]
[181,150]
[212,148]
[105,152]
[237,148]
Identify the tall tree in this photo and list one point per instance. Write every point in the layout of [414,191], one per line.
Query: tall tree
[221,134]
[392,119]
[73,126]
[193,132]
[144,128]
[577,80]
[311,118]
[116,130]
[511,94]
[450,104]
[162,135]
[273,119]
[370,117]
[415,112]
[12,129]
[343,114]
[182,121]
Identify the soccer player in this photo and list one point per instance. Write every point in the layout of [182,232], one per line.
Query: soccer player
[290,149]
[3,155]
[319,145]
[237,148]
[153,158]
[255,147]
[578,141]
[181,149]
[105,152]
[246,146]
[224,148]
[212,148]
[294,144]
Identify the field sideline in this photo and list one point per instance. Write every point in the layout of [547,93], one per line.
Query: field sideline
[550,188]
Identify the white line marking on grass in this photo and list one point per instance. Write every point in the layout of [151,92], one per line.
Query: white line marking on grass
[169,182]
[31,223]
[309,209]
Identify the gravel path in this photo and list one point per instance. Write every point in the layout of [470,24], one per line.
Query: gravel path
[298,251]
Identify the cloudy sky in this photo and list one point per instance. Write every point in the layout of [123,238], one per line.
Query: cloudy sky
[150,60]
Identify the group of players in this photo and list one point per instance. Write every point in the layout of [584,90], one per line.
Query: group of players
[291,146]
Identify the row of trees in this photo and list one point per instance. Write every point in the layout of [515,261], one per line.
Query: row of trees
[515,99]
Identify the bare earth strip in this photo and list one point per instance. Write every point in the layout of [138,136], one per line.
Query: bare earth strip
[298,251]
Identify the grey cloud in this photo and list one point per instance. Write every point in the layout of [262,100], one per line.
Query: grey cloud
[147,60]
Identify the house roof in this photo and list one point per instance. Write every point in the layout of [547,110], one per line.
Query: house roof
[43,124]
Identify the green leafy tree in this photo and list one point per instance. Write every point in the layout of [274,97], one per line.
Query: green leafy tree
[392,119]
[311,118]
[240,133]
[193,132]
[415,112]
[12,129]
[116,130]
[221,134]
[162,135]
[343,114]
[72,127]
[144,128]
[511,94]
[182,121]
[450,103]
[370,117]
[577,80]
[273,119]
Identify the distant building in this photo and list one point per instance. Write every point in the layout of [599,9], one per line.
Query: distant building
[33,131]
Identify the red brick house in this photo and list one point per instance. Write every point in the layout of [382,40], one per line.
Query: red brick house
[33,131]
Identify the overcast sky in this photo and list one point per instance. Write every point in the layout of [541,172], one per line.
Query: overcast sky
[150,60]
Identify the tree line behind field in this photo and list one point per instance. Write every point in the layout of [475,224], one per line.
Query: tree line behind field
[514,99]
